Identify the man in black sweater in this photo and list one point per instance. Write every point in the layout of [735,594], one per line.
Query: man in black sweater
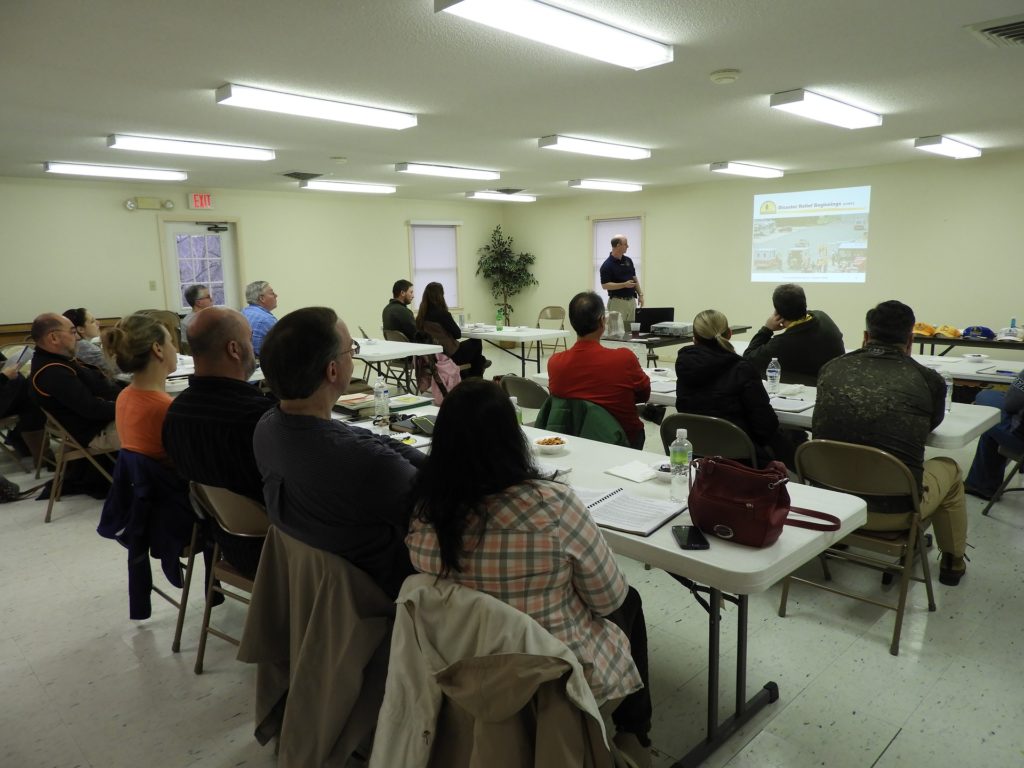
[811,338]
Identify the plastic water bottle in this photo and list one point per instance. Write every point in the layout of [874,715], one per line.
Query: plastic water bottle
[517,409]
[499,319]
[948,378]
[774,375]
[679,455]
[381,406]
[1013,322]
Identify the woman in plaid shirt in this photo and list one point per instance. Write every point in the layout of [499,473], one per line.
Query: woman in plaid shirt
[484,518]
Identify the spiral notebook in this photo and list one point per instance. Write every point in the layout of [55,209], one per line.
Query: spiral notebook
[618,510]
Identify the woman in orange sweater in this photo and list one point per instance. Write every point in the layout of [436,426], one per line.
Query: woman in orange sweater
[142,347]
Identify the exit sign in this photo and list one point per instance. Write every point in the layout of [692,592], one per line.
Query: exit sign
[200,201]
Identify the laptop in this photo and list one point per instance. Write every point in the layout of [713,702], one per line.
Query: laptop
[648,316]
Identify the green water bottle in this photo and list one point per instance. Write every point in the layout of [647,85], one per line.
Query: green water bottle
[499,319]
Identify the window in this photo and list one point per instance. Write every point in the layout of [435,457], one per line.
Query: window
[435,259]
[604,231]
[200,253]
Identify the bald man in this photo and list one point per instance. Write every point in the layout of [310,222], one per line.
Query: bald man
[208,429]
[77,394]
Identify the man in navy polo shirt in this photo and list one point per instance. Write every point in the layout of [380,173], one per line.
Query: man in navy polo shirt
[618,277]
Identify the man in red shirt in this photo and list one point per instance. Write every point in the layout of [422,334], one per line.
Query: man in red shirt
[611,378]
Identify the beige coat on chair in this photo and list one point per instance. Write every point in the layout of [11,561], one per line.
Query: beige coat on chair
[475,683]
[318,627]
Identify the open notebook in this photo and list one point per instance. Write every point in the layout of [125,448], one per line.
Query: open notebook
[620,511]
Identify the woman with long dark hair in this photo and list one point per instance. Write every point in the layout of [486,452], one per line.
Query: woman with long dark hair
[434,309]
[485,518]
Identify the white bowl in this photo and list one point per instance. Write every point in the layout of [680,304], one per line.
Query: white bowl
[556,448]
[663,471]
[975,358]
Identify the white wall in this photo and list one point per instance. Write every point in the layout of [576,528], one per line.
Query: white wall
[946,237]
[73,243]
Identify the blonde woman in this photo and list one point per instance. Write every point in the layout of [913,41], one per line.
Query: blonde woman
[142,347]
[712,380]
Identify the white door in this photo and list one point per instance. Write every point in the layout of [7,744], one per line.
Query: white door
[200,253]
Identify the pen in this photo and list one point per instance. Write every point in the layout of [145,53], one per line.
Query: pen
[1007,373]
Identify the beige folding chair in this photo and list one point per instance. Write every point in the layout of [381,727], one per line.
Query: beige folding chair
[239,516]
[68,450]
[867,472]
[1017,459]
[168,320]
[398,371]
[710,436]
[528,394]
[550,313]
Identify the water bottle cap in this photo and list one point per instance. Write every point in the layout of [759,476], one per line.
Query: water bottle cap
[680,434]
[515,401]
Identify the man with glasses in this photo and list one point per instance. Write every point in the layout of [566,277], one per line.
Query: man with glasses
[262,301]
[332,486]
[78,395]
[199,298]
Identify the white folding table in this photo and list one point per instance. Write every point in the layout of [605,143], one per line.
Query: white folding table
[376,352]
[522,334]
[962,424]
[729,571]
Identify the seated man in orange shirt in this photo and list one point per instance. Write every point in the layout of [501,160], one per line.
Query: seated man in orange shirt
[611,378]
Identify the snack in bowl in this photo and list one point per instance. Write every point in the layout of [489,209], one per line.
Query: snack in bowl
[550,444]
[664,471]
[975,358]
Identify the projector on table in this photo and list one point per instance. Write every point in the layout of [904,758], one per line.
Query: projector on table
[672,329]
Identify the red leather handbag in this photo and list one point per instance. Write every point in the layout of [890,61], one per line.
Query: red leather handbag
[747,506]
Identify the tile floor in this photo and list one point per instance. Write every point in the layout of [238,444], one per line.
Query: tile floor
[81,685]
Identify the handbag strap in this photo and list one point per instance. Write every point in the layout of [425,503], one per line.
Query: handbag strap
[832,522]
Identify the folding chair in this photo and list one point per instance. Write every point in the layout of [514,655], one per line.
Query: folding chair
[238,516]
[865,471]
[68,450]
[550,313]
[710,436]
[1018,459]
[398,371]
[529,394]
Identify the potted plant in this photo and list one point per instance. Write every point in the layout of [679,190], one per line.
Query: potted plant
[508,271]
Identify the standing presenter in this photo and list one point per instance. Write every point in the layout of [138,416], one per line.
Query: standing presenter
[618,277]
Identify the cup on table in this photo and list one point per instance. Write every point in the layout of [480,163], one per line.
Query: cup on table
[634,327]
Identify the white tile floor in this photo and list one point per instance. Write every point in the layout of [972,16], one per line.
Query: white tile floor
[81,685]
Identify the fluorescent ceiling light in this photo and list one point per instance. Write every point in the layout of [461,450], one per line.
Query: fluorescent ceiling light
[115,172]
[308,106]
[825,110]
[449,171]
[942,145]
[562,29]
[501,197]
[180,147]
[348,186]
[606,186]
[588,147]
[745,169]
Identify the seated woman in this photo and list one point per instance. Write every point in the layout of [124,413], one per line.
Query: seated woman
[86,349]
[989,466]
[487,520]
[142,347]
[434,309]
[712,380]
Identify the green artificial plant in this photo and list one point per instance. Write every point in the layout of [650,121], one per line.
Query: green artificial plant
[508,271]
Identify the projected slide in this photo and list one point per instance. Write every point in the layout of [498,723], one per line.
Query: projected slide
[817,236]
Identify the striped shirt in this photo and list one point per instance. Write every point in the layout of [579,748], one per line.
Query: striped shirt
[542,553]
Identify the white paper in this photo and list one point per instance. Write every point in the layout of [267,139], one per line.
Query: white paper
[636,471]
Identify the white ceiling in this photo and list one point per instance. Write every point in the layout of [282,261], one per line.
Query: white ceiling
[72,72]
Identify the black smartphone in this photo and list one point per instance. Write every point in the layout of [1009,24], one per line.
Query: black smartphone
[690,537]
[424,423]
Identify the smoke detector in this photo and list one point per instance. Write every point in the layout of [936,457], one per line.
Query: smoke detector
[724,76]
